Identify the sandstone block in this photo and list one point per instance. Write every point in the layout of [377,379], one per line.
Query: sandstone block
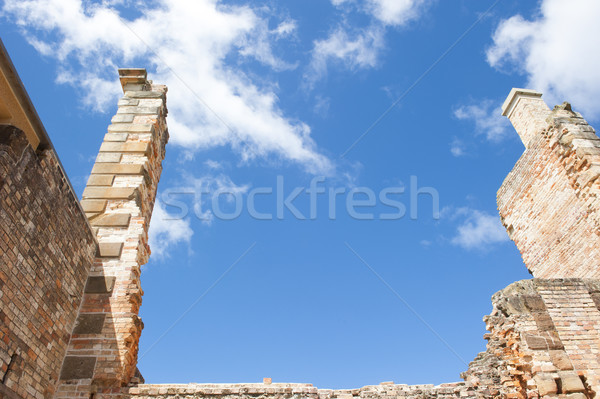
[109,157]
[93,205]
[571,382]
[560,360]
[124,147]
[118,169]
[100,180]
[577,396]
[109,192]
[138,110]
[122,118]
[100,285]
[89,323]
[110,249]
[112,220]
[546,384]
[127,101]
[144,94]
[115,137]
[77,367]
[131,127]
[535,342]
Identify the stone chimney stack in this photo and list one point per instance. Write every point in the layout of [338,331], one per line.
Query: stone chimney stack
[527,112]
[118,203]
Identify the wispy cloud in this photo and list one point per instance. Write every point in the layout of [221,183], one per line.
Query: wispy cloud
[167,231]
[203,192]
[478,229]
[360,48]
[556,50]
[457,148]
[351,51]
[488,119]
[198,40]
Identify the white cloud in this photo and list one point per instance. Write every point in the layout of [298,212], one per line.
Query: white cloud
[167,231]
[258,44]
[213,164]
[488,119]
[457,148]
[388,12]
[357,51]
[194,38]
[479,230]
[321,106]
[557,51]
[396,12]
[360,48]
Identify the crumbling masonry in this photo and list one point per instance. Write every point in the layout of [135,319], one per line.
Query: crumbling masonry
[70,271]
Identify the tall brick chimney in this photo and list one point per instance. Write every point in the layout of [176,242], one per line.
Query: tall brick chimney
[549,201]
[118,202]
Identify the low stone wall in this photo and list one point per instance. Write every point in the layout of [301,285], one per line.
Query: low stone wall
[297,391]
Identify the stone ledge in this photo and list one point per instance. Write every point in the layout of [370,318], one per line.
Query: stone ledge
[112,220]
[100,180]
[89,323]
[118,169]
[116,147]
[132,109]
[77,367]
[130,127]
[93,206]
[110,249]
[119,137]
[99,284]
[109,192]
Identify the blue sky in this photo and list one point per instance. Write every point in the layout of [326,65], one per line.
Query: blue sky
[264,91]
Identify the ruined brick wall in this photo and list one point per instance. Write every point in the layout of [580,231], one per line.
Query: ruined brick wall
[549,201]
[543,341]
[46,251]
[118,201]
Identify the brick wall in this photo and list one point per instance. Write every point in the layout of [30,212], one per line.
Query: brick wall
[46,251]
